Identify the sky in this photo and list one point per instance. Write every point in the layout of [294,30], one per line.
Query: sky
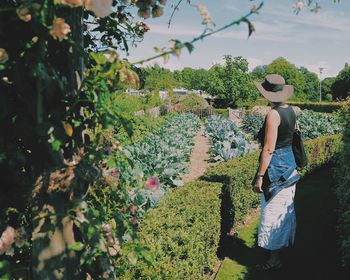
[308,39]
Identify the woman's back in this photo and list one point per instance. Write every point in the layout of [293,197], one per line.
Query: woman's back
[285,129]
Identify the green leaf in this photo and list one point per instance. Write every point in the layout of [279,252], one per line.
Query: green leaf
[189,47]
[56,144]
[77,246]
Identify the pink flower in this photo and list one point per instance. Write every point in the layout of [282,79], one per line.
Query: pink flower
[3,55]
[153,183]
[60,29]
[132,208]
[7,239]
[100,8]
[133,220]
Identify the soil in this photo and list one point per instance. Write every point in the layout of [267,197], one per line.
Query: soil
[199,157]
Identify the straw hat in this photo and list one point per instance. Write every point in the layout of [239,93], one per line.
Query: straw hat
[274,88]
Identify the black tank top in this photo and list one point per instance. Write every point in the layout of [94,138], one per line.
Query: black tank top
[285,129]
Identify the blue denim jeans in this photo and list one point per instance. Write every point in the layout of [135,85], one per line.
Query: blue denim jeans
[281,172]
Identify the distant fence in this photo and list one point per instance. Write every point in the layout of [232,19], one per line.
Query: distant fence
[236,115]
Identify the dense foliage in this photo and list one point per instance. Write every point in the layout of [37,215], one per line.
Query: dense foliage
[343,191]
[322,107]
[192,101]
[182,234]
[341,85]
[166,154]
[231,81]
[227,140]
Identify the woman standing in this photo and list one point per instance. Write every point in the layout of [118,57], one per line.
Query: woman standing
[277,175]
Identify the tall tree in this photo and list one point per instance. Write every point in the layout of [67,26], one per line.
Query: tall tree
[341,86]
[312,84]
[232,81]
[291,74]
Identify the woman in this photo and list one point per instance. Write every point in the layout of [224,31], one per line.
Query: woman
[277,175]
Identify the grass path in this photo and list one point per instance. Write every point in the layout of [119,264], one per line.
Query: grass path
[199,157]
[314,255]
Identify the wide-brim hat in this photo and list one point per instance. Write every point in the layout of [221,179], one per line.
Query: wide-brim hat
[274,88]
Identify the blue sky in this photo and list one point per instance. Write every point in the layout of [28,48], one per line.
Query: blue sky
[308,39]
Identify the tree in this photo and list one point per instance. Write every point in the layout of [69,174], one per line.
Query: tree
[341,85]
[291,74]
[327,84]
[259,73]
[159,78]
[232,81]
[312,84]
[192,78]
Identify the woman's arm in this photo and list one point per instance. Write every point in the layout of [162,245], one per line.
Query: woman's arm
[272,122]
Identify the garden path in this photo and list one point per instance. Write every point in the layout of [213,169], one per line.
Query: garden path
[199,157]
[314,255]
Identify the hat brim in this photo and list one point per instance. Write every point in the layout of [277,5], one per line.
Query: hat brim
[277,96]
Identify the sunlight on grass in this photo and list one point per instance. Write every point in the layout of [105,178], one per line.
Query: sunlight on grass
[231,269]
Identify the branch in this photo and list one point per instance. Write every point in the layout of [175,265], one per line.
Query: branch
[172,14]
[203,35]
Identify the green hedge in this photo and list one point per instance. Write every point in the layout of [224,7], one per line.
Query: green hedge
[237,174]
[343,191]
[323,107]
[222,112]
[182,234]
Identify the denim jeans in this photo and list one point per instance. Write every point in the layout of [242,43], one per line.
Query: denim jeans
[281,172]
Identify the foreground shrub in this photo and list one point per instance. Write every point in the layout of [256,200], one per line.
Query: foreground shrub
[343,191]
[237,175]
[182,234]
[227,140]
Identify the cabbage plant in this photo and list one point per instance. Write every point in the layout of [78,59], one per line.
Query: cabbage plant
[227,140]
[166,154]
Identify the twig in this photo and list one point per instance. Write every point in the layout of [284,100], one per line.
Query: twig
[172,14]
[202,36]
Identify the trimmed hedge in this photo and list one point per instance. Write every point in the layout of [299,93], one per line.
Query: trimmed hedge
[237,174]
[342,173]
[323,107]
[182,233]
[222,112]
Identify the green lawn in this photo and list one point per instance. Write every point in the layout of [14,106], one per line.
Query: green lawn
[314,255]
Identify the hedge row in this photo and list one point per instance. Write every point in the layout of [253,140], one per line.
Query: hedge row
[222,112]
[182,234]
[343,191]
[323,107]
[236,176]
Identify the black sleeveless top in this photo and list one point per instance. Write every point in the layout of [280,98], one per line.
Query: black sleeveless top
[285,129]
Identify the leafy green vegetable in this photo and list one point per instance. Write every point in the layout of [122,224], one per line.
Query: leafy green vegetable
[227,140]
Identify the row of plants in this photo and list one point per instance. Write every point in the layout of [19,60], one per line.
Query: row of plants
[227,141]
[312,124]
[322,107]
[181,235]
[342,173]
[166,154]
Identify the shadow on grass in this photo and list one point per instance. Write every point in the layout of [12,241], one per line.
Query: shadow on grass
[314,254]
